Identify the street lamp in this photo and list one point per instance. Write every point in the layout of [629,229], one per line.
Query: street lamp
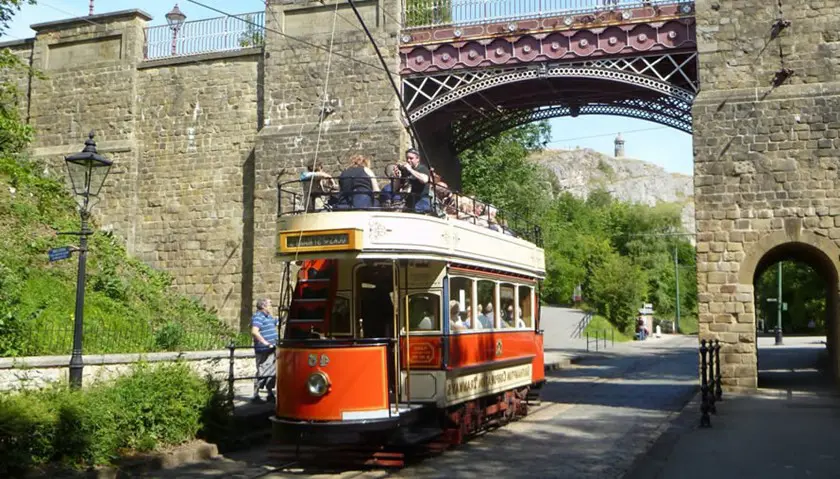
[87,171]
[175,18]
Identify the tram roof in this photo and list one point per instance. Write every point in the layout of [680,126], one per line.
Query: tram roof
[400,235]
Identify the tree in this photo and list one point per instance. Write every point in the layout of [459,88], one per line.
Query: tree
[427,12]
[617,287]
[7,10]
[253,35]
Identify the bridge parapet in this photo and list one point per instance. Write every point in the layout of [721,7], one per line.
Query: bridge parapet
[622,28]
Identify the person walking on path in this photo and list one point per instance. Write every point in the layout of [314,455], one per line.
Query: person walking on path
[264,331]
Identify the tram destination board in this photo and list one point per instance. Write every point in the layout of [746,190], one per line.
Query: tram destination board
[333,240]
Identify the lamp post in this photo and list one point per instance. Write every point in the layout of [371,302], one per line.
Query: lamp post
[779,305]
[87,171]
[175,18]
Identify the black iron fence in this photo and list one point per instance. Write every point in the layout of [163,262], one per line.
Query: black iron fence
[598,339]
[711,390]
[126,338]
[324,193]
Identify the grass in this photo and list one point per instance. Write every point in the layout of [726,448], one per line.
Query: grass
[129,306]
[688,325]
[599,325]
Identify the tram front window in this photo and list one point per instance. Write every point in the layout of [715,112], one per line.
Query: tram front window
[424,312]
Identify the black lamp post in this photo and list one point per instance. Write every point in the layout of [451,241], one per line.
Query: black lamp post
[175,18]
[87,171]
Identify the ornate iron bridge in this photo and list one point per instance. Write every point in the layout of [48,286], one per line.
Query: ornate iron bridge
[614,57]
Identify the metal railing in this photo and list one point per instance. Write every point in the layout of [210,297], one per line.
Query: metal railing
[582,324]
[47,340]
[324,195]
[432,13]
[599,339]
[711,390]
[205,36]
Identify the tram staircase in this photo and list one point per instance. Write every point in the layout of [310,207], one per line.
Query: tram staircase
[307,307]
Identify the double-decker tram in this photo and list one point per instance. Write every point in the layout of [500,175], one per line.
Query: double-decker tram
[403,326]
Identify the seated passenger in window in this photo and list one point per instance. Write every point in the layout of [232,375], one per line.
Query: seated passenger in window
[455,322]
[427,322]
[486,320]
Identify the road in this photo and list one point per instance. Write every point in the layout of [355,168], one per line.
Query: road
[595,419]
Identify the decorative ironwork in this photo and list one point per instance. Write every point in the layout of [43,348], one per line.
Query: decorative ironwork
[664,75]
[496,49]
[419,14]
[663,110]
[204,36]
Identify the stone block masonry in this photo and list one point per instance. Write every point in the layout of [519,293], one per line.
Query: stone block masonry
[766,163]
[200,142]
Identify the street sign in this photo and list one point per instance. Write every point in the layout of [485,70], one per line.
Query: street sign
[57,254]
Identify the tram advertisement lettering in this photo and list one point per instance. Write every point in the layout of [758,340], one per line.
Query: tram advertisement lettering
[488,381]
[307,241]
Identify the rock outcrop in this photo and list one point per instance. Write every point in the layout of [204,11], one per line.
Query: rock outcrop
[583,170]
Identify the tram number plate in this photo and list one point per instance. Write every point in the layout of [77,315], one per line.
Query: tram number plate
[338,239]
[313,360]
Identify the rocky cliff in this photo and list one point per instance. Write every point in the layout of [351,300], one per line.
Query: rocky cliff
[582,170]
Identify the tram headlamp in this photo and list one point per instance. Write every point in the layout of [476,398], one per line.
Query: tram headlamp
[317,384]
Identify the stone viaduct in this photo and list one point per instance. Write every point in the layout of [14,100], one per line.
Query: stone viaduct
[201,141]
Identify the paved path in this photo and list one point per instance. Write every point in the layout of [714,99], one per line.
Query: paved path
[596,417]
[790,428]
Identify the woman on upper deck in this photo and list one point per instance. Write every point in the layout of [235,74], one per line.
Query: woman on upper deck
[357,184]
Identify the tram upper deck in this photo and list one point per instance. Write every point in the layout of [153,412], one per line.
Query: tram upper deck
[316,221]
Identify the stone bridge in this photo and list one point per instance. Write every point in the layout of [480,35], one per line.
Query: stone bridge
[202,126]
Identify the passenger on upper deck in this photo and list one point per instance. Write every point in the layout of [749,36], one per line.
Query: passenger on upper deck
[394,193]
[317,184]
[418,177]
[357,184]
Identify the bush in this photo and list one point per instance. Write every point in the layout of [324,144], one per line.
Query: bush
[150,408]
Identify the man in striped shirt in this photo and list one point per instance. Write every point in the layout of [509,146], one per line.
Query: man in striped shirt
[264,331]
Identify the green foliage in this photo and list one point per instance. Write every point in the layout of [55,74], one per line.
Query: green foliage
[8,8]
[618,252]
[253,35]
[150,408]
[599,326]
[14,134]
[428,12]
[617,289]
[803,289]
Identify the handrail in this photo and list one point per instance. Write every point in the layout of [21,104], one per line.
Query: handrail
[305,196]
[442,13]
[582,324]
[216,34]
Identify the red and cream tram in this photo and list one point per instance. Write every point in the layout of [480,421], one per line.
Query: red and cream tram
[405,326]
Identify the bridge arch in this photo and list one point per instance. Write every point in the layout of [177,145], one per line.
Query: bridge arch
[481,103]
[792,243]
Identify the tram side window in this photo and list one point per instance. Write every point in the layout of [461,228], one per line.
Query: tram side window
[460,304]
[340,319]
[424,312]
[507,302]
[526,308]
[486,304]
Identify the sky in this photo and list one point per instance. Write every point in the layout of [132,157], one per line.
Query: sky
[669,148]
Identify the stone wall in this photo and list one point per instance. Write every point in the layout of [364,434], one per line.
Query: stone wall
[23,50]
[195,141]
[766,162]
[362,113]
[40,372]
[181,133]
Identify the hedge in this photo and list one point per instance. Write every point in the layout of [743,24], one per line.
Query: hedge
[150,408]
